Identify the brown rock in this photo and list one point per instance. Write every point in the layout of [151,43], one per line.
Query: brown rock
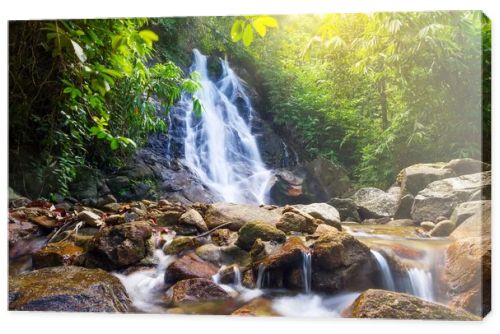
[192,217]
[468,264]
[252,231]
[223,237]
[90,218]
[67,289]
[256,308]
[467,166]
[339,261]
[442,229]
[46,222]
[57,254]
[115,220]
[181,244]
[116,247]
[189,266]
[427,226]
[393,305]
[417,177]
[195,290]
[169,218]
[238,215]
[289,254]
[294,222]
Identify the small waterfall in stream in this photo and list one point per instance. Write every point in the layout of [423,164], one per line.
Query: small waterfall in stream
[307,271]
[218,146]
[237,277]
[385,270]
[261,276]
[417,281]
[421,283]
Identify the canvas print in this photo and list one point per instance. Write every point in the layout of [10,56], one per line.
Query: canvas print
[333,165]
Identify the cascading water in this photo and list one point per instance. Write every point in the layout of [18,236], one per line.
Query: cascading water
[385,270]
[421,283]
[419,261]
[261,276]
[307,271]
[219,146]
[290,157]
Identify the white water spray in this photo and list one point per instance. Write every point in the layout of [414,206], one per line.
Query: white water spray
[219,146]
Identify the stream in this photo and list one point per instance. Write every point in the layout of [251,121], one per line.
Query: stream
[406,264]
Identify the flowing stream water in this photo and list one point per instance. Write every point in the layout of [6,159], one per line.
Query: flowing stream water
[218,145]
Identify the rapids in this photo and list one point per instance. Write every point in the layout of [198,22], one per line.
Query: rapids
[406,264]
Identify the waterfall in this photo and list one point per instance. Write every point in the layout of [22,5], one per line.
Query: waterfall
[219,146]
[307,272]
[290,157]
[237,277]
[385,270]
[260,276]
[144,286]
[421,284]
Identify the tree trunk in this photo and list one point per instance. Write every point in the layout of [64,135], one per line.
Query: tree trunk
[383,103]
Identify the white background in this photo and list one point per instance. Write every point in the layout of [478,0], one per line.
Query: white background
[46,322]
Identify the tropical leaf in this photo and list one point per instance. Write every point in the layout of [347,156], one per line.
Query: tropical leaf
[247,35]
[237,30]
[79,51]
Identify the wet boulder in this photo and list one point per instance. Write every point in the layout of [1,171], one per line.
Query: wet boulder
[442,229]
[427,226]
[180,244]
[384,304]
[296,222]
[193,218]
[67,289]
[405,204]
[327,213]
[223,237]
[16,200]
[90,218]
[237,215]
[252,231]
[467,166]
[210,253]
[441,197]
[376,203]
[339,261]
[288,187]
[347,208]
[256,308]
[467,209]
[234,255]
[324,180]
[195,290]
[417,177]
[400,222]
[57,254]
[290,254]
[468,264]
[189,266]
[20,229]
[120,246]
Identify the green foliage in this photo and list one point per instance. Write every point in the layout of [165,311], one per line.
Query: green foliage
[243,28]
[378,92]
[106,91]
